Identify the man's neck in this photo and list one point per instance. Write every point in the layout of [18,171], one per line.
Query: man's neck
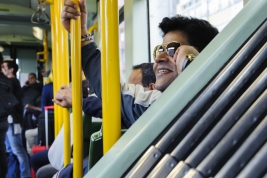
[11,76]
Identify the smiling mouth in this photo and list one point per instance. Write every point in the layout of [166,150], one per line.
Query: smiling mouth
[163,71]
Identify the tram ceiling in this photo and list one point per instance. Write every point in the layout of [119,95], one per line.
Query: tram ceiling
[15,21]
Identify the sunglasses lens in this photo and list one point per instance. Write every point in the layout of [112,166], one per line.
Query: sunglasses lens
[172,47]
[157,50]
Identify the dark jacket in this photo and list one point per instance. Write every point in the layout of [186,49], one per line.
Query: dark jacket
[17,91]
[31,93]
[8,102]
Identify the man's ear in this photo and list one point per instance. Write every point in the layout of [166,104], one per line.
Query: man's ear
[152,86]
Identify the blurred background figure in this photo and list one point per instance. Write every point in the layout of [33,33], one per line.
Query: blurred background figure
[46,100]
[13,141]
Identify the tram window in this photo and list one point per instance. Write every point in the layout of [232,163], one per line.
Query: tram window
[17,61]
[122,51]
[122,45]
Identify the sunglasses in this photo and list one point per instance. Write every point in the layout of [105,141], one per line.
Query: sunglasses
[169,48]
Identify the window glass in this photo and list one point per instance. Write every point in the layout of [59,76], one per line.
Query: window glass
[122,45]
[223,10]
[122,51]
[121,3]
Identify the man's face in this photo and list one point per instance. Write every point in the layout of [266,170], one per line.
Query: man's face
[5,69]
[135,77]
[31,79]
[164,67]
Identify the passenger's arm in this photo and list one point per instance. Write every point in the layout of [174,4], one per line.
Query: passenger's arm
[91,65]
[70,11]
[90,53]
[45,97]
[92,106]
[29,106]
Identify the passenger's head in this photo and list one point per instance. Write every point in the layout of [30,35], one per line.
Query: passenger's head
[186,31]
[136,75]
[144,75]
[9,68]
[148,76]
[32,78]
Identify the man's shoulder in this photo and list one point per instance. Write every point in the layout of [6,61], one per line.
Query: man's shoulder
[140,96]
[15,82]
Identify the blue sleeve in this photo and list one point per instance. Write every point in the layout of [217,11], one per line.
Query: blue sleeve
[92,67]
[67,172]
[92,106]
[47,96]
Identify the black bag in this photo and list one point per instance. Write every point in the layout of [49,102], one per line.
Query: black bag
[30,120]
[41,128]
[7,99]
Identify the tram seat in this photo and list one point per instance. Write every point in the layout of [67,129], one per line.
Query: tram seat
[89,127]
[96,147]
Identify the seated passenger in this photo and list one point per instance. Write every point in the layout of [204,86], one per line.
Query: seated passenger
[46,100]
[142,74]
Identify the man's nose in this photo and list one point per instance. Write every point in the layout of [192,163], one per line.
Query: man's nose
[162,57]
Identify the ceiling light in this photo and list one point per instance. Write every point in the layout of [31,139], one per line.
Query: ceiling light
[1,49]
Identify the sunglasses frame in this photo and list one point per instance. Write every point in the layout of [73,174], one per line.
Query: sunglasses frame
[164,48]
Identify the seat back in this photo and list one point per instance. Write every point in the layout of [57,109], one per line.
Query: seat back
[89,128]
[96,147]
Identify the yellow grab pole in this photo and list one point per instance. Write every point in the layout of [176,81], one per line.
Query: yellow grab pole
[58,58]
[44,52]
[58,73]
[60,64]
[54,51]
[45,49]
[76,95]
[46,58]
[110,73]
[64,66]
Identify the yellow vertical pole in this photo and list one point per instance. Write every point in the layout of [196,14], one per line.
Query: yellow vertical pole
[76,95]
[58,29]
[64,66]
[110,73]
[60,64]
[45,49]
[54,54]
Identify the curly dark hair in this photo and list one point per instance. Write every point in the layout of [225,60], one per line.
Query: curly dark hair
[199,32]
